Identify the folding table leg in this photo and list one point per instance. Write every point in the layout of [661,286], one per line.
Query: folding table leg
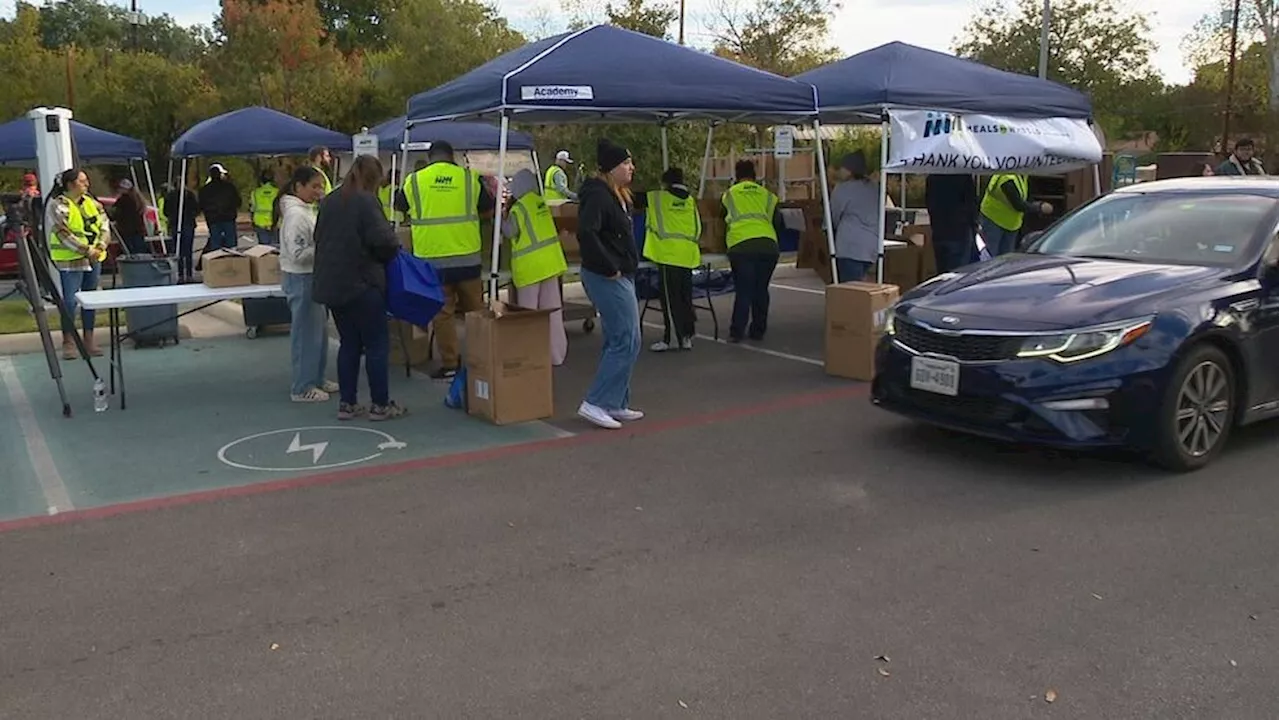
[111,340]
[124,397]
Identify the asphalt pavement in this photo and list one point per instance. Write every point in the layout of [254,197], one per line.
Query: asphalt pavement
[764,545]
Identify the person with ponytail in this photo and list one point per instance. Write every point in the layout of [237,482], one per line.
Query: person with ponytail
[609,262]
[293,222]
[77,232]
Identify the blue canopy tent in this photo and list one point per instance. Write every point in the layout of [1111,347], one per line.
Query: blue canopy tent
[608,74]
[461,135]
[863,88]
[250,132]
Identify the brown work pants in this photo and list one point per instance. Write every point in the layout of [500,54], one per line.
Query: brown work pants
[459,299]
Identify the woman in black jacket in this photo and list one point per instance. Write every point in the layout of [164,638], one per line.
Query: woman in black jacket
[354,243]
[609,262]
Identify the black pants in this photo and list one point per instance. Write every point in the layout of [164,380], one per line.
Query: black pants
[675,288]
[752,273]
[953,245]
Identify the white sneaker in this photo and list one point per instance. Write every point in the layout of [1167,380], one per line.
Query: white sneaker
[626,415]
[597,416]
[686,344]
[660,346]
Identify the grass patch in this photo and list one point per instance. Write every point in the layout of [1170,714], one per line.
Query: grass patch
[16,317]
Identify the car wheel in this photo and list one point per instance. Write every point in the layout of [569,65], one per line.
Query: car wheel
[1198,410]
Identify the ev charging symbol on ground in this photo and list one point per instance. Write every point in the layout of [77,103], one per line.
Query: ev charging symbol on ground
[293,449]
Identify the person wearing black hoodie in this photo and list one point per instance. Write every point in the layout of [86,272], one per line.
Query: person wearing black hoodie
[672,228]
[220,202]
[609,261]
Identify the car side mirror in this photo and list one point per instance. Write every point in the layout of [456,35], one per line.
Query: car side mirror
[1028,239]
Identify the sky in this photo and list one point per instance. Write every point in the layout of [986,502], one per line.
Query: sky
[859,25]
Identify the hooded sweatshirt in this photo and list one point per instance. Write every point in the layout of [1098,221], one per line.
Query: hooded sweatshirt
[606,236]
[297,236]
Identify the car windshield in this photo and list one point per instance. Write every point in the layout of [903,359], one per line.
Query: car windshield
[1216,229]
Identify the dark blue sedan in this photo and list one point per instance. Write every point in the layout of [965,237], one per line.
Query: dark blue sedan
[1145,319]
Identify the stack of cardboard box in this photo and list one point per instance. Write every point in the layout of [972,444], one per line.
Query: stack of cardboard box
[256,265]
[856,314]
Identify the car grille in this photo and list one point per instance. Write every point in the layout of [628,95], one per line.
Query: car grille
[966,348]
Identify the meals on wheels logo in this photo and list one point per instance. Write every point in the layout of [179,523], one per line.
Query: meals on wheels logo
[938,123]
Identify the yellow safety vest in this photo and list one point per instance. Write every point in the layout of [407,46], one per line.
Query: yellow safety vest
[750,209]
[536,254]
[262,205]
[83,220]
[328,186]
[387,197]
[671,230]
[442,211]
[548,187]
[996,207]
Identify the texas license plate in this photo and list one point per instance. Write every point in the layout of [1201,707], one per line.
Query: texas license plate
[935,376]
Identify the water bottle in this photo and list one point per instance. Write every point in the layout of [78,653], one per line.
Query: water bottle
[99,396]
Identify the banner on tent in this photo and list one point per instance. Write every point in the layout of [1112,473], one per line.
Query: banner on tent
[930,142]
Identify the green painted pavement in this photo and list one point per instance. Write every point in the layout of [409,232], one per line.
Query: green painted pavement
[20,494]
[209,414]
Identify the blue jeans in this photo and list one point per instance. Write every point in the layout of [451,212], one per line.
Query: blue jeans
[999,240]
[308,333]
[221,235]
[362,330]
[74,281]
[185,240]
[752,273]
[852,270]
[615,300]
[266,237]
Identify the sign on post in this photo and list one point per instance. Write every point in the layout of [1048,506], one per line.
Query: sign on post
[364,144]
[784,141]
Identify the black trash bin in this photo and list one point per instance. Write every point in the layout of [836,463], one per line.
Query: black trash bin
[260,313]
[154,324]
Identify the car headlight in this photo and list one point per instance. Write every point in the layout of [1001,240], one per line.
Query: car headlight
[1083,344]
[888,321]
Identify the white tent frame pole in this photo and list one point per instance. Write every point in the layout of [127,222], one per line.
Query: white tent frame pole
[395,216]
[151,188]
[1097,181]
[182,202]
[666,152]
[826,200]
[706,160]
[884,193]
[404,167]
[497,209]
[537,167]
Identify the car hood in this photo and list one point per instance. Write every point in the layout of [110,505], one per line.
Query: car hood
[1048,292]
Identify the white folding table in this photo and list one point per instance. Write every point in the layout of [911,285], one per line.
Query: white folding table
[117,299]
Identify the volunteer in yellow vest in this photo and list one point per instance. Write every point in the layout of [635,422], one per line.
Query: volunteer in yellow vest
[387,197]
[1003,207]
[321,160]
[752,221]
[556,181]
[537,260]
[262,205]
[443,203]
[77,237]
[671,231]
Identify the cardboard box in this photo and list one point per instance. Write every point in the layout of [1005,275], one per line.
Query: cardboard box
[800,166]
[264,264]
[226,268]
[855,317]
[409,342]
[509,364]
[722,168]
[405,234]
[799,191]
[563,210]
[569,243]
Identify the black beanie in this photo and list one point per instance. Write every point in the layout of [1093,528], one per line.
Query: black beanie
[610,155]
[673,176]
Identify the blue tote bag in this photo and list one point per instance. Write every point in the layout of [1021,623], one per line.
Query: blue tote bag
[414,293]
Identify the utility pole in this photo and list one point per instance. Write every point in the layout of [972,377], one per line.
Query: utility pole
[71,83]
[1231,77]
[1044,40]
[681,22]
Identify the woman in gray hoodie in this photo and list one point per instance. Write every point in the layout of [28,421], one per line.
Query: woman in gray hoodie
[295,224]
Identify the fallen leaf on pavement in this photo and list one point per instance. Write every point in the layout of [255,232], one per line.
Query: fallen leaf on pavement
[682,704]
[1234,664]
[638,508]
[883,672]
[882,658]
[1096,596]
[275,646]
[511,524]
[1253,617]
[1050,695]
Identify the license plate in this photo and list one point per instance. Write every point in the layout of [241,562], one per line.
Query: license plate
[935,376]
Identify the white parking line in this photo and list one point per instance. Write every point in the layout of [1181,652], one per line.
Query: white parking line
[753,348]
[56,498]
[811,291]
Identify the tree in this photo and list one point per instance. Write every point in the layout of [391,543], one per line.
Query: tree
[651,19]
[1210,40]
[786,37]
[356,25]
[91,24]
[32,74]
[1094,46]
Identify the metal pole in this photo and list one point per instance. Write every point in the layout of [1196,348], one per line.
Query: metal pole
[133,24]
[497,213]
[1044,40]
[706,160]
[666,156]
[884,190]
[681,35]
[1231,78]
[826,200]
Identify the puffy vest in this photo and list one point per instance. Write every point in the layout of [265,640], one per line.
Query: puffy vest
[536,254]
[386,196]
[750,209]
[263,201]
[84,221]
[671,230]
[996,207]
[548,185]
[442,211]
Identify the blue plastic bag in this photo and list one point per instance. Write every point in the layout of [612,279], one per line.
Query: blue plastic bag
[414,293]
[456,398]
